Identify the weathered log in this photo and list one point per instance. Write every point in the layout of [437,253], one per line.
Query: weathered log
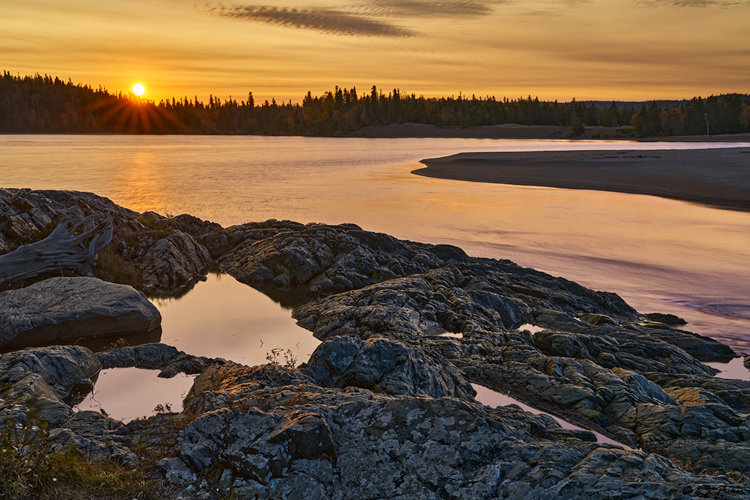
[62,250]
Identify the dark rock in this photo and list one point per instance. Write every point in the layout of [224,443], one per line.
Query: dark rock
[67,309]
[598,319]
[391,447]
[332,358]
[667,319]
[61,367]
[96,436]
[155,356]
[173,264]
[167,255]
[387,366]
[176,472]
[307,436]
[700,347]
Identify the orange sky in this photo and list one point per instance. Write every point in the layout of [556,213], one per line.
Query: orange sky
[553,49]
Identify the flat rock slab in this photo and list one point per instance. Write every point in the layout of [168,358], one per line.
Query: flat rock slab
[67,309]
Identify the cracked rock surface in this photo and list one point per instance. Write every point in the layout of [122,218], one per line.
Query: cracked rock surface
[384,408]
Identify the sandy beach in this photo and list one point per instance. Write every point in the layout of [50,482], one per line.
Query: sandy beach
[718,177]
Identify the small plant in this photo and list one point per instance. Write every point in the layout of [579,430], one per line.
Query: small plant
[113,268]
[160,409]
[117,344]
[25,460]
[32,468]
[155,437]
[289,358]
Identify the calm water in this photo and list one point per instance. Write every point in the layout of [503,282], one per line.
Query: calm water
[218,318]
[660,255]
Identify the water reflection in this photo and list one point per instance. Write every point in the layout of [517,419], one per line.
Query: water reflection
[660,255]
[129,393]
[734,369]
[223,318]
[218,318]
[493,399]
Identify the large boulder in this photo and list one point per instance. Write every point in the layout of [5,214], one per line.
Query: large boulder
[67,309]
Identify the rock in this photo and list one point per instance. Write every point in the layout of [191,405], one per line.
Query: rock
[164,256]
[667,319]
[698,346]
[387,366]
[332,358]
[307,436]
[156,356]
[176,472]
[333,443]
[151,356]
[384,408]
[68,309]
[25,214]
[173,264]
[46,402]
[96,436]
[60,367]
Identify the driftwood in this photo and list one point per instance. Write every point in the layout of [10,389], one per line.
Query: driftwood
[62,250]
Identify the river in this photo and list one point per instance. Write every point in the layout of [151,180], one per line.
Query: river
[660,255]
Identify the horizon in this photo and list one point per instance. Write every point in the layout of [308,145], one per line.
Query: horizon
[596,50]
[142,94]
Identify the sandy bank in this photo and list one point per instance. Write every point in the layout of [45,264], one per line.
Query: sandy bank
[719,177]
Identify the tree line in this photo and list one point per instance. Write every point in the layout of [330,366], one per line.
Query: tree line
[43,104]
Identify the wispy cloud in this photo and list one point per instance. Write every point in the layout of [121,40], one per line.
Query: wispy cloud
[324,20]
[364,18]
[426,8]
[688,3]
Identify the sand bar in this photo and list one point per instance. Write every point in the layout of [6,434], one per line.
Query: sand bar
[718,177]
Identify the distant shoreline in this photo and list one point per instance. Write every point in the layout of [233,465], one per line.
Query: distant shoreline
[512,131]
[716,177]
[422,131]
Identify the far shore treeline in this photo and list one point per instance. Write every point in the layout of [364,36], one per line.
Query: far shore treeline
[43,104]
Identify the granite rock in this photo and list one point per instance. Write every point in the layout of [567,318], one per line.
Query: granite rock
[67,309]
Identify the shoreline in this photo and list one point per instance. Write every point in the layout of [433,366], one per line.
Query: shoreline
[714,177]
[531,132]
[507,131]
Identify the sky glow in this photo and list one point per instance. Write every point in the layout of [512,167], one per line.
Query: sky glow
[587,49]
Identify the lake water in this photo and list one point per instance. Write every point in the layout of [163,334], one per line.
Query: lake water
[660,255]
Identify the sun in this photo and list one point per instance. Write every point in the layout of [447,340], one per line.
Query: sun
[139,89]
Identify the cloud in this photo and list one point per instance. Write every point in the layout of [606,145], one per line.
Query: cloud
[323,20]
[679,3]
[363,18]
[426,8]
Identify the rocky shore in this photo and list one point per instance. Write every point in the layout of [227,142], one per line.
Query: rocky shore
[385,406]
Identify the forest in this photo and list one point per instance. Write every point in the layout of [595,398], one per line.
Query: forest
[43,104]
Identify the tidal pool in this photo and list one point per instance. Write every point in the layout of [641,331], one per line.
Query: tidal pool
[493,399]
[219,318]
